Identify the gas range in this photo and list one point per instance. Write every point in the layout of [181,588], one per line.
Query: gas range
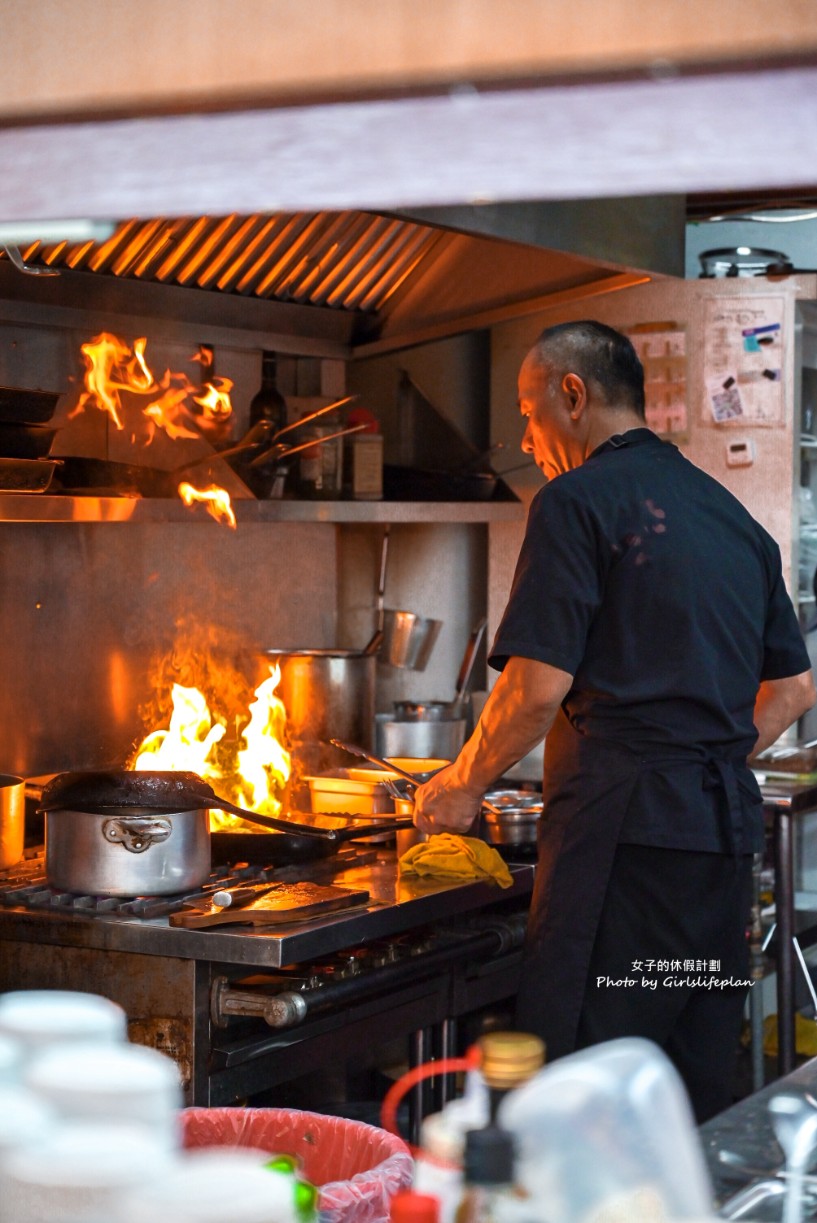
[25,885]
[243,1009]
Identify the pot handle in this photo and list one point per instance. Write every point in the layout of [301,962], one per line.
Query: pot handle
[136,835]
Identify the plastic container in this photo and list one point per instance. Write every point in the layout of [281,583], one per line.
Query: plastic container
[24,1119]
[78,1173]
[609,1129]
[11,1060]
[215,1186]
[124,1082]
[37,1018]
[357,1167]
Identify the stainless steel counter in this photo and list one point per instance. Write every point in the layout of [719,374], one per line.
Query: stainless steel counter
[396,904]
[243,1011]
[786,801]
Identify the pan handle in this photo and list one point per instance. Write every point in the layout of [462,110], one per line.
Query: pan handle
[333,835]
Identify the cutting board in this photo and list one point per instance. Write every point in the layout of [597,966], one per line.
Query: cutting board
[285,902]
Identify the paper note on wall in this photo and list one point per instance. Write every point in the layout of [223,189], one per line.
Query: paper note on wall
[661,348]
[743,361]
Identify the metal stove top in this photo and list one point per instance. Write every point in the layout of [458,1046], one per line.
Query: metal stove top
[32,912]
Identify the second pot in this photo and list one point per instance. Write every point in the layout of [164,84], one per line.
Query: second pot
[127,851]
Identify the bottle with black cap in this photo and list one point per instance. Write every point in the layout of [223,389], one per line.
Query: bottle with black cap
[489,1194]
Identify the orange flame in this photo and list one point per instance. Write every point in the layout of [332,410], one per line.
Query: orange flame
[113,367]
[250,773]
[217,500]
[216,399]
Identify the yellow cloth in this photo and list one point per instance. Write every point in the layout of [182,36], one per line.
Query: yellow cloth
[445,856]
[805,1036]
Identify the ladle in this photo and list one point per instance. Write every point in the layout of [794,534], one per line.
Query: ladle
[794,1121]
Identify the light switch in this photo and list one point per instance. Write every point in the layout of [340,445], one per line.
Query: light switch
[740,453]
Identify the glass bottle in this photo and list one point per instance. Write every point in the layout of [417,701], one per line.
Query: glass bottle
[268,404]
[489,1195]
[509,1059]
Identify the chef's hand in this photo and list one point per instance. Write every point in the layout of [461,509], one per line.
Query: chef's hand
[443,804]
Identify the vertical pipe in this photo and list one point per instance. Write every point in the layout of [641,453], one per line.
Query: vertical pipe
[756,973]
[784,909]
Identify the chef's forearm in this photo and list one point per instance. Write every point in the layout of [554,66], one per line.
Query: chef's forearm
[517,715]
[780,702]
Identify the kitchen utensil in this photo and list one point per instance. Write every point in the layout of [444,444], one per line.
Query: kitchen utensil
[280,903]
[511,825]
[127,851]
[794,1120]
[236,898]
[391,767]
[408,639]
[279,452]
[105,478]
[441,737]
[26,475]
[122,833]
[338,790]
[12,819]
[22,406]
[441,711]
[325,692]
[19,441]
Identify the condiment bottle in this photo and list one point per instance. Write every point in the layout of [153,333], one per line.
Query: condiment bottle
[509,1059]
[365,464]
[489,1195]
[268,404]
[411,1207]
[321,466]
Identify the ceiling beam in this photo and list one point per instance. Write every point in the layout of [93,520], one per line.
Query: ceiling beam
[95,58]
[712,133]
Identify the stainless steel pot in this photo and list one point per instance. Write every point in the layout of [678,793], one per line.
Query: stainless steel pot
[327,693]
[127,851]
[441,739]
[513,818]
[12,819]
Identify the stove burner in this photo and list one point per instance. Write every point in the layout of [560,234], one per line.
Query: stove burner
[26,886]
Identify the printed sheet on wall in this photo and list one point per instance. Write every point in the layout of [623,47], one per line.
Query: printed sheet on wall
[743,361]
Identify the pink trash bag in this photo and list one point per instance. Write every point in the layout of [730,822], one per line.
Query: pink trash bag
[357,1168]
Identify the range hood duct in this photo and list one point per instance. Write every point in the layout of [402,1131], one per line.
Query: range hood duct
[397,280]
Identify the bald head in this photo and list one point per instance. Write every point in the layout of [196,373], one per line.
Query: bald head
[602,357]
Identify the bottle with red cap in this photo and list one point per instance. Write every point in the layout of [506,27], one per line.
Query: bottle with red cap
[410,1207]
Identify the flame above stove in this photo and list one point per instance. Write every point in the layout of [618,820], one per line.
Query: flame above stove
[113,367]
[216,499]
[250,770]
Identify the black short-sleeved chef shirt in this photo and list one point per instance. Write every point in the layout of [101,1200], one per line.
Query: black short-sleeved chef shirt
[646,580]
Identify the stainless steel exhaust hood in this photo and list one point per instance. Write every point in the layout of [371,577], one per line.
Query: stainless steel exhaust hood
[365,282]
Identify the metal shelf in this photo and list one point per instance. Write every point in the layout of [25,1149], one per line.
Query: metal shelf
[41,508]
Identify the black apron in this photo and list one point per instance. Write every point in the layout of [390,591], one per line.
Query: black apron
[589,784]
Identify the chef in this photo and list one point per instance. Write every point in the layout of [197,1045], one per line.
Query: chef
[649,635]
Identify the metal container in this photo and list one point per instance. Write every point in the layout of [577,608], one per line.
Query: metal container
[327,694]
[358,791]
[408,639]
[127,851]
[409,837]
[442,738]
[12,819]
[514,820]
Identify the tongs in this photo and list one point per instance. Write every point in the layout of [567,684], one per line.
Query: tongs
[276,450]
[262,434]
[413,780]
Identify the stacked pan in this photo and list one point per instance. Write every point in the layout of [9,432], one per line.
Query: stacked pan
[26,438]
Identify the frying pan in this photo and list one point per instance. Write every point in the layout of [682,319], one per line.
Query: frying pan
[105,478]
[22,406]
[25,441]
[164,792]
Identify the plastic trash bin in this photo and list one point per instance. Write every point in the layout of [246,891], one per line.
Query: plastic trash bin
[357,1168]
